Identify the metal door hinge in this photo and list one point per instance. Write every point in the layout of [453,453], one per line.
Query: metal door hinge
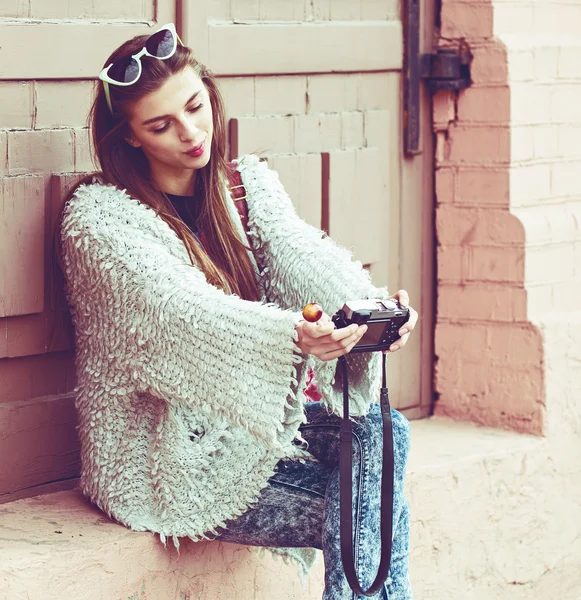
[447,69]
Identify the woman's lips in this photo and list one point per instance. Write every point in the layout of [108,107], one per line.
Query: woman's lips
[197,150]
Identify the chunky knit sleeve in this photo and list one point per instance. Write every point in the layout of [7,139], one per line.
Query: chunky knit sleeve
[136,302]
[302,264]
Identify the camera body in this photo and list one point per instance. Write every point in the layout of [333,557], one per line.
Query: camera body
[384,318]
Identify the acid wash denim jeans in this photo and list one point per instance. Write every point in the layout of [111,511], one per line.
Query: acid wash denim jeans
[300,506]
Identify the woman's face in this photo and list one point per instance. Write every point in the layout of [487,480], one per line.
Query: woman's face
[173,127]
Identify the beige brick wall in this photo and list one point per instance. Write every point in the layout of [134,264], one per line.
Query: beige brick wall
[509,202]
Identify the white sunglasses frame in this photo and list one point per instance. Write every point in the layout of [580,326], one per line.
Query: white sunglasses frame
[104,77]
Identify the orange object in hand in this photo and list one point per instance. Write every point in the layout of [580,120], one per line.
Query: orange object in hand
[312,312]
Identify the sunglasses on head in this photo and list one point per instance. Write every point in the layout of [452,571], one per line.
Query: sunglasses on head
[127,70]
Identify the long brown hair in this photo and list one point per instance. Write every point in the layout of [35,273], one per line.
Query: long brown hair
[224,259]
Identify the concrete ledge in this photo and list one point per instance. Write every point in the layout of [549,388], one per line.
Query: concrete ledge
[481,515]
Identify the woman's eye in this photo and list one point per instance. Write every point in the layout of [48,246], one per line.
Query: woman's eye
[195,108]
[161,129]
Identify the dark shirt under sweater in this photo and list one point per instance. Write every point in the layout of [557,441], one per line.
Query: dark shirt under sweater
[188,208]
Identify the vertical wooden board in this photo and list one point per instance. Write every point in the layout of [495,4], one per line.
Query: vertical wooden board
[342,190]
[36,376]
[300,175]
[22,222]
[369,235]
[355,197]
[38,443]
[23,336]
[60,187]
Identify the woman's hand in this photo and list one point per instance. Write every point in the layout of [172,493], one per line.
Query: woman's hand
[323,340]
[403,298]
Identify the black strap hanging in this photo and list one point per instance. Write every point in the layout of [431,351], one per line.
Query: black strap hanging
[345,484]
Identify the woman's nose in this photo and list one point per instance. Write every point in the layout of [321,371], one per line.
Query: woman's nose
[188,130]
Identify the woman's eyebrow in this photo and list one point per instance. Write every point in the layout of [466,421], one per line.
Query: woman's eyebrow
[154,119]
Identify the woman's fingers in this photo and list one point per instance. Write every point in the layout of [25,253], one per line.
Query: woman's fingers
[402,297]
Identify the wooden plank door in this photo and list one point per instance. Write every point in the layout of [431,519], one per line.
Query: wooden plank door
[316,88]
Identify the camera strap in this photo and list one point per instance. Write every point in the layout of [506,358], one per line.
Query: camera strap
[346,486]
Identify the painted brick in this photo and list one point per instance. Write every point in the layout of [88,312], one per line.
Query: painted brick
[566,179]
[62,104]
[221,10]
[245,10]
[317,132]
[522,143]
[264,134]
[15,8]
[445,186]
[332,92]
[513,18]
[482,187]
[321,10]
[280,95]
[83,159]
[40,151]
[536,224]
[481,302]
[519,345]
[521,65]
[466,19]
[16,99]
[379,9]
[569,141]
[546,63]
[569,62]
[352,134]
[530,104]
[442,148]
[479,145]
[282,10]
[545,141]
[566,104]
[540,299]
[104,9]
[22,226]
[461,341]
[530,184]
[238,95]
[444,110]
[377,125]
[345,10]
[3,153]
[494,264]
[549,264]
[470,226]
[484,105]
[449,264]
[301,176]
[489,64]
[375,90]
[53,374]
[352,174]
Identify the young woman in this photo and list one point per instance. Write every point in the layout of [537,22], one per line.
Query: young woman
[192,354]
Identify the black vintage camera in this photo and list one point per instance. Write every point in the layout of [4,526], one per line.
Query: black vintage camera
[384,318]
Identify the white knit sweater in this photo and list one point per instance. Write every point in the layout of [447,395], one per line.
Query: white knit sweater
[187,397]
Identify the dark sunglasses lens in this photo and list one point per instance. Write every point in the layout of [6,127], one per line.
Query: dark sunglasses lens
[160,44]
[124,70]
